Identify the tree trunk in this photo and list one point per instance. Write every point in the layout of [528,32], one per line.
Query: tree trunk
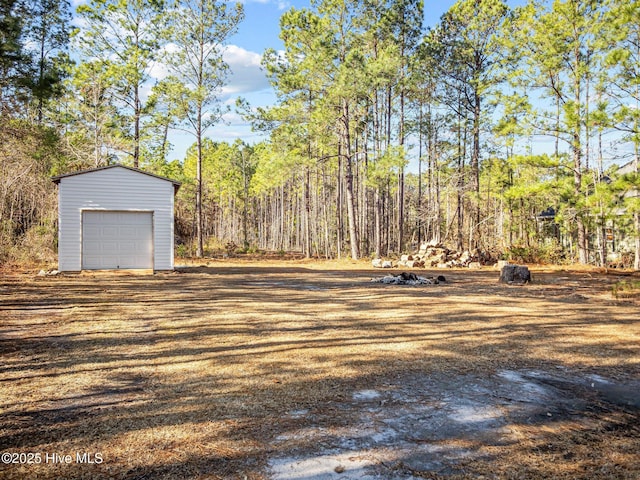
[577,186]
[307,213]
[460,185]
[636,261]
[339,225]
[475,173]
[245,201]
[351,207]
[401,174]
[636,216]
[419,199]
[199,232]
[351,210]
[576,147]
[378,223]
[136,127]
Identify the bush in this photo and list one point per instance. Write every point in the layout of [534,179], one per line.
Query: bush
[552,253]
[36,246]
[39,244]
[231,248]
[626,289]
[183,251]
[6,241]
[252,249]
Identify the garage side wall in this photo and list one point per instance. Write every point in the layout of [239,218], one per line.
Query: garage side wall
[115,189]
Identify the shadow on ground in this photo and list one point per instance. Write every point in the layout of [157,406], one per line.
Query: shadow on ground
[292,373]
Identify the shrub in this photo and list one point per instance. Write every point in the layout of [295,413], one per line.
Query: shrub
[183,251]
[36,246]
[552,253]
[626,289]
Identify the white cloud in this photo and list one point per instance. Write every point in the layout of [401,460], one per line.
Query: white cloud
[282,4]
[246,74]
[158,71]
[232,118]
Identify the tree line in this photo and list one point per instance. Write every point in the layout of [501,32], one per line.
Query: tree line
[384,134]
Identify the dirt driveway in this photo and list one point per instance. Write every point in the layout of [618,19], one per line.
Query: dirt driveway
[310,372]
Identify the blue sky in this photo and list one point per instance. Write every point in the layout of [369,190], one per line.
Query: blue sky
[259,31]
[260,28]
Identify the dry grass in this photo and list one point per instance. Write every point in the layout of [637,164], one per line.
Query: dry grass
[193,375]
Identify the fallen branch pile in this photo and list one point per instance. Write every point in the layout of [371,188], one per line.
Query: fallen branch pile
[434,254]
[408,279]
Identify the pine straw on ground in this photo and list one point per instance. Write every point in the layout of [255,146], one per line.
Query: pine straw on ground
[193,374]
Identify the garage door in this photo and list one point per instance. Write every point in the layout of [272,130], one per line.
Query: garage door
[113,240]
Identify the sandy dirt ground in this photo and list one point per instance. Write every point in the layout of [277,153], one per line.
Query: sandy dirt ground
[309,371]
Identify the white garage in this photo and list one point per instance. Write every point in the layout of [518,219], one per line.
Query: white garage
[115,217]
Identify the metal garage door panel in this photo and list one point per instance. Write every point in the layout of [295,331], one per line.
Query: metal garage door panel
[112,240]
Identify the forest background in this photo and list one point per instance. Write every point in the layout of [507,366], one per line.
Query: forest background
[384,133]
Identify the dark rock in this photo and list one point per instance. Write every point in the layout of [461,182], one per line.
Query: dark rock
[408,276]
[515,274]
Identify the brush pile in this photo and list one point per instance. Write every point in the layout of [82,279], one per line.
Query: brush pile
[409,279]
[434,254]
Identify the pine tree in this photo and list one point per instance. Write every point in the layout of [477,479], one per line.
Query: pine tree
[559,50]
[13,62]
[48,31]
[198,30]
[623,34]
[466,44]
[126,35]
